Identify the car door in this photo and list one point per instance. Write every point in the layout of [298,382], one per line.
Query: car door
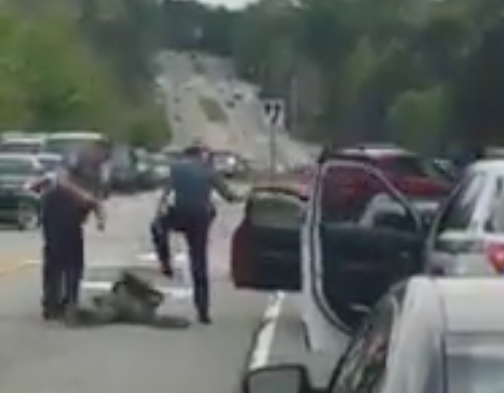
[265,248]
[355,258]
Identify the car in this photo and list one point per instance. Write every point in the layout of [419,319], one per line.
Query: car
[160,167]
[312,240]
[228,163]
[426,335]
[123,169]
[411,173]
[467,236]
[22,144]
[49,162]
[68,142]
[19,199]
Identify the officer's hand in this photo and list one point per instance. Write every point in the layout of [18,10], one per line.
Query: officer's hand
[101,216]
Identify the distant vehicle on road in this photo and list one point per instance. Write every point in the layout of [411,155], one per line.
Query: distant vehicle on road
[22,144]
[424,336]
[228,163]
[19,199]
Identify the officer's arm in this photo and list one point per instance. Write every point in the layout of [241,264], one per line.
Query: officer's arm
[165,194]
[223,189]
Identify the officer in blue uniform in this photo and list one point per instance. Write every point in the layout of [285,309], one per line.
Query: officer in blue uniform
[66,204]
[191,183]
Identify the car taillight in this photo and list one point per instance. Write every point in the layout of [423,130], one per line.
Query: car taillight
[495,255]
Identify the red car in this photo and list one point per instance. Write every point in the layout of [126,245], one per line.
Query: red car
[410,173]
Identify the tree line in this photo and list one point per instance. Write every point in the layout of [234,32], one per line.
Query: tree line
[56,74]
[427,74]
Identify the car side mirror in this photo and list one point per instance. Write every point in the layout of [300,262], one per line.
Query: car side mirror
[285,378]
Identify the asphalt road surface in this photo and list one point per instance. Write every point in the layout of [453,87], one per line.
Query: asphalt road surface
[38,357]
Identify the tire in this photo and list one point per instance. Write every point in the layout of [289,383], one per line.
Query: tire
[28,216]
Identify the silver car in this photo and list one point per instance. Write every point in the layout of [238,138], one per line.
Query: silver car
[467,236]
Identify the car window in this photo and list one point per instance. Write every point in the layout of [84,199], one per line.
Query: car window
[15,166]
[458,210]
[356,195]
[363,366]
[274,209]
[20,147]
[495,217]
[411,165]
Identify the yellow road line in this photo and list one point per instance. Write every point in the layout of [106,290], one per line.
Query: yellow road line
[13,267]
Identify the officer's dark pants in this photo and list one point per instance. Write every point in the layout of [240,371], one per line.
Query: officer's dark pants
[196,227]
[62,271]
[63,253]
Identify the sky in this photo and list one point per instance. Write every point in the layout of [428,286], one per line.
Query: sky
[233,4]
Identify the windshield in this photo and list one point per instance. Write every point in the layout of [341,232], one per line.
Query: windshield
[50,164]
[412,166]
[64,146]
[20,147]
[475,363]
[16,166]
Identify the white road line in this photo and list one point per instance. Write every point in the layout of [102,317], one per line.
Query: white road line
[264,340]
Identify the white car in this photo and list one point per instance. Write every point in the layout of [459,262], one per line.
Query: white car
[467,237]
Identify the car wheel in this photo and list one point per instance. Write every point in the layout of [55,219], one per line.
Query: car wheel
[28,216]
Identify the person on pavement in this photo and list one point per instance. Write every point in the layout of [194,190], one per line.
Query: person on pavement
[190,212]
[65,205]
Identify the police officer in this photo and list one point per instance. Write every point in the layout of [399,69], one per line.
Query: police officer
[66,204]
[191,183]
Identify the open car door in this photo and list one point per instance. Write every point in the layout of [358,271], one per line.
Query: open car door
[367,237]
[265,248]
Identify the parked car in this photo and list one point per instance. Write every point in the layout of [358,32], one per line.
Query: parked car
[411,173]
[467,237]
[145,173]
[49,162]
[425,336]
[123,169]
[160,168]
[19,201]
[22,144]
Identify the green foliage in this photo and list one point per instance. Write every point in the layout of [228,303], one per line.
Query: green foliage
[51,78]
[417,119]
[418,72]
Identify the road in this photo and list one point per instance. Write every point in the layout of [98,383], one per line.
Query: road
[40,357]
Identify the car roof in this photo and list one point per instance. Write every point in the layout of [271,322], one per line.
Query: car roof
[24,156]
[375,152]
[23,139]
[470,305]
[490,166]
[48,156]
[76,135]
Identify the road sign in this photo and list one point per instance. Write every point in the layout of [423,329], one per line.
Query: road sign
[274,111]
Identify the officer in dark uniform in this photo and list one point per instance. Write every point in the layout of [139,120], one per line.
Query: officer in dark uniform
[191,183]
[66,204]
